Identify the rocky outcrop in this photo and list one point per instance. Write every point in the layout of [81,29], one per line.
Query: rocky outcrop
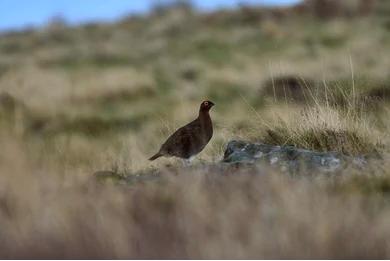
[289,158]
[248,158]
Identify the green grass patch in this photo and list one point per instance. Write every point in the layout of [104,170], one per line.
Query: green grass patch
[89,125]
[225,93]
[213,51]
[76,61]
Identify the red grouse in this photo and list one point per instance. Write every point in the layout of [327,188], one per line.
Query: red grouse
[191,139]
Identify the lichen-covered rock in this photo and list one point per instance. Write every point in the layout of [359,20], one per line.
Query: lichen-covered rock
[288,158]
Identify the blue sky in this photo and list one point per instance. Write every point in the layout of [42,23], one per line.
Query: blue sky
[17,14]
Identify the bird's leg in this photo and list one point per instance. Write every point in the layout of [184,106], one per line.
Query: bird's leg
[187,162]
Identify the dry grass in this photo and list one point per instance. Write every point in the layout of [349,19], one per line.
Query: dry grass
[326,129]
[197,213]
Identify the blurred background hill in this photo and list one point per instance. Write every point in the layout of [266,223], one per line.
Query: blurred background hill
[149,71]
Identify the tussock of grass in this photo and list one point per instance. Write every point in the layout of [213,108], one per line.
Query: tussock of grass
[347,142]
[289,89]
[325,129]
[379,94]
[336,93]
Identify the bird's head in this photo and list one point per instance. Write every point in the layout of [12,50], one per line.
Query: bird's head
[206,106]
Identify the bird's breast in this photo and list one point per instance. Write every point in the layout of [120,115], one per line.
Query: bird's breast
[206,127]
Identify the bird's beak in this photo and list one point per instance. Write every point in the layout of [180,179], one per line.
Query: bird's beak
[212,104]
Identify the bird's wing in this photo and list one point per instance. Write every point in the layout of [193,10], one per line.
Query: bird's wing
[182,140]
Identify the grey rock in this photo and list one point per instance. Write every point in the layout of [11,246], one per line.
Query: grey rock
[289,158]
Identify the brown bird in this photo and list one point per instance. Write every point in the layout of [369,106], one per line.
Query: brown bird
[191,139]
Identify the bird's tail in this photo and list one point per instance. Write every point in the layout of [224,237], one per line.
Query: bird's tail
[157,155]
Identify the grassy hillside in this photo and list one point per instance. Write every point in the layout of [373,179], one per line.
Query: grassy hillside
[74,100]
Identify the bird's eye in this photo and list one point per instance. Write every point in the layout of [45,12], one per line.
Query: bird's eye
[206,103]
